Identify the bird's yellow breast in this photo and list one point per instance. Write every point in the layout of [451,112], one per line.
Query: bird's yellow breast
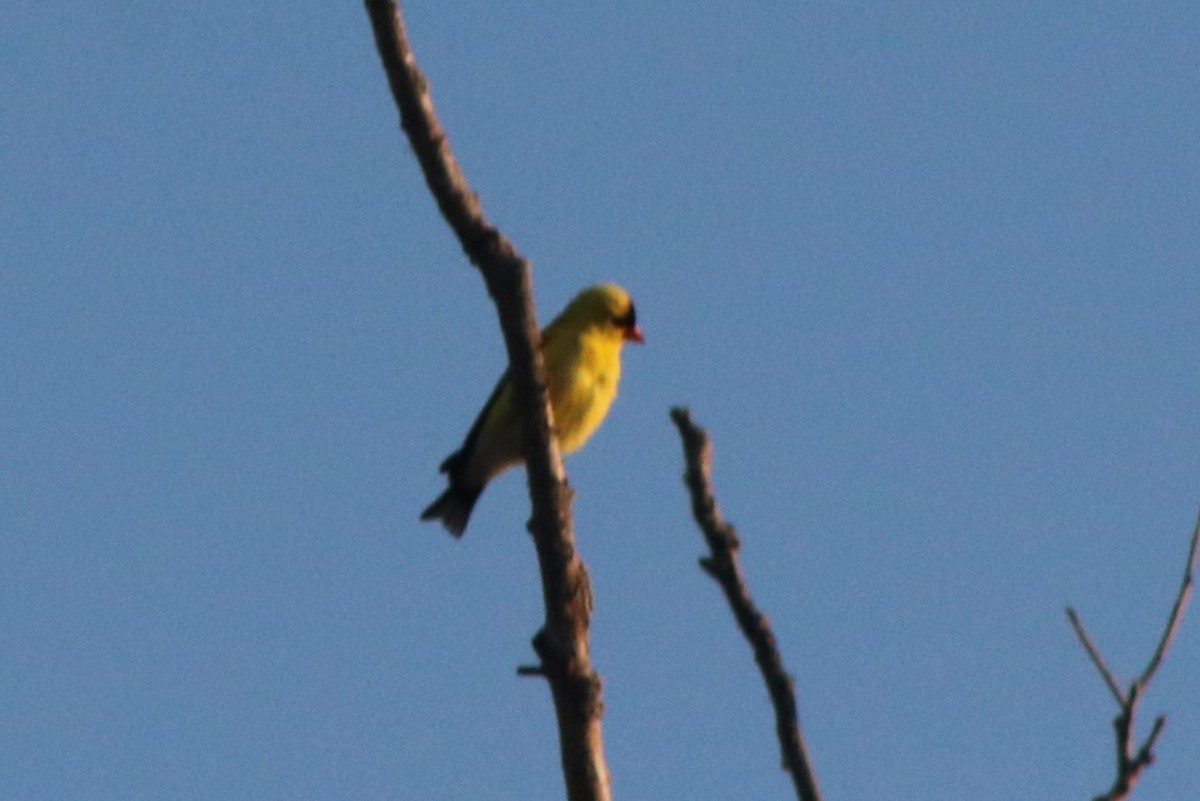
[583,383]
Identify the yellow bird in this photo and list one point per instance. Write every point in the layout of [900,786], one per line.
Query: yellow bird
[582,353]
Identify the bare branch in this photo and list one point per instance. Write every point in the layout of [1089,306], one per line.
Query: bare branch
[1094,655]
[723,565]
[561,644]
[1181,599]
[1130,765]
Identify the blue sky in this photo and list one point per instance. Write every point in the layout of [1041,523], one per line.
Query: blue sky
[926,272]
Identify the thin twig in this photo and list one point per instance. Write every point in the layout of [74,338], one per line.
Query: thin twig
[723,565]
[561,644]
[1181,599]
[1094,655]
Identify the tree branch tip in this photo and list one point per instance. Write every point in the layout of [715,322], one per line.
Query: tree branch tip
[708,565]
[1155,730]
[531,670]
[694,436]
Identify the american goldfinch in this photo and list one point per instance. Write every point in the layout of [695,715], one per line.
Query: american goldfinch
[582,353]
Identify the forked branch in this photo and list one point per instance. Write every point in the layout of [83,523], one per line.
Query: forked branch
[1130,762]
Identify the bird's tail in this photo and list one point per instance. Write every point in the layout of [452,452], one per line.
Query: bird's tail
[453,507]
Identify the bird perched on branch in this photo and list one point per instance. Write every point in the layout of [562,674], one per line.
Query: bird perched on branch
[582,353]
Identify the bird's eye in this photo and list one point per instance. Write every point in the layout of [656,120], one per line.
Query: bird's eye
[628,319]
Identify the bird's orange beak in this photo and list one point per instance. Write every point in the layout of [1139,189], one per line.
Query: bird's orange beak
[634,334]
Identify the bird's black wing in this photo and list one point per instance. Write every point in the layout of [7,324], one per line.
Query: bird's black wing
[461,457]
